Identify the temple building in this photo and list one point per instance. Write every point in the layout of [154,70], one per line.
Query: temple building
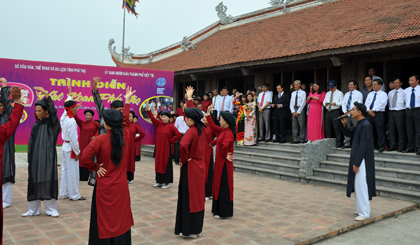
[294,39]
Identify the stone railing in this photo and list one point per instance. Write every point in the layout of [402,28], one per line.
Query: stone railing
[312,154]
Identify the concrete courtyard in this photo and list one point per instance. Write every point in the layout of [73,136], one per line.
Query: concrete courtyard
[266,211]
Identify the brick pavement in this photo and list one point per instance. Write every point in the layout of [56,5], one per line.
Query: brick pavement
[266,211]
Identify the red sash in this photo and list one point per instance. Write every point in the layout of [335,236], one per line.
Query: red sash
[73,155]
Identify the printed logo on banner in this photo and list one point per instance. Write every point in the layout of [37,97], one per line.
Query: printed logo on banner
[161,82]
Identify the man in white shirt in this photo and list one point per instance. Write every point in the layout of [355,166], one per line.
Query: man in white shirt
[332,102]
[215,100]
[297,104]
[412,114]
[182,127]
[70,153]
[396,117]
[372,73]
[348,103]
[224,103]
[264,100]
[375,104]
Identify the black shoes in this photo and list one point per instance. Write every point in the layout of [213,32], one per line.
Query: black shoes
[408,150]
[295,142]
[391,149]
[381,150]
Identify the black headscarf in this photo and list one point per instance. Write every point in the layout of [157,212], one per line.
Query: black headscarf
[114,119]
[196,115]
[90,111]
[361,107]
[42,103]
[230,119]
[117,103]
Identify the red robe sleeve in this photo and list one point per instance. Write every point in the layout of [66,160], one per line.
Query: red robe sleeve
[78,121]
[126,113]
[190,103]
[228,140]
[139,131]
[155,122]
[216,129]
[177,135]
[7,129]
[91,150]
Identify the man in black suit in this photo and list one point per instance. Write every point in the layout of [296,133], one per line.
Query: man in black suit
[280,107]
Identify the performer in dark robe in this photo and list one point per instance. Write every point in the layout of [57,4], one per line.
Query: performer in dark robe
[131,164]
[166,134]
[7,130]
[111,217]
[138,143]
[223,169]
[361,174]
[42,158]
[191,194]
[89,129]
[9,166]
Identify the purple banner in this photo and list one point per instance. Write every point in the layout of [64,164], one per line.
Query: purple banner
[152,86]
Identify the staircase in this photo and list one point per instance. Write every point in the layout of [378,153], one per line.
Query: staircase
[270,159]
[397,174]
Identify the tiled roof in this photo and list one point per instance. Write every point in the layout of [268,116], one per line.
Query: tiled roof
[335,25]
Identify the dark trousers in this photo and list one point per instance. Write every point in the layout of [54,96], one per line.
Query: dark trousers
[378,122]
[130,176]
[333,127]
[279,127]
[413,128]
[177,151]
[397,132]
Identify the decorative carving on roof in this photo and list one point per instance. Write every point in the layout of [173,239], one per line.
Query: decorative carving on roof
[113,50]
[187,44]
[277,3]
[221,13]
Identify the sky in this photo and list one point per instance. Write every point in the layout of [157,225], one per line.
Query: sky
[78,31]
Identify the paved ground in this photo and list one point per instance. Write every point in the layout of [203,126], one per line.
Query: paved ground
[266,211]
[402,229]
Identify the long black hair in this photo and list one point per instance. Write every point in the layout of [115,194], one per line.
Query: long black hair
[320,90]
[114,119]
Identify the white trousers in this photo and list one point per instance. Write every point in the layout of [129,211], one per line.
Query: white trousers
[361,192]
[69,177]
[50,207]
[7,194]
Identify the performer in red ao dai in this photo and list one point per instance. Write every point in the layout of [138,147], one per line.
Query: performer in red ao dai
[223,169]
[166,134]
[111,218]
[210,135]
[138,143]
[191,194]
[131,164]
[7,130]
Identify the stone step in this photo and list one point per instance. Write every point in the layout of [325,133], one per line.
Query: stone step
[385,154]
[265,150]
[147,150]
[266,172]
[272,145]
[263,157]
[380,162]
[380,190]
[380,180]
[379,171]
[280,165]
